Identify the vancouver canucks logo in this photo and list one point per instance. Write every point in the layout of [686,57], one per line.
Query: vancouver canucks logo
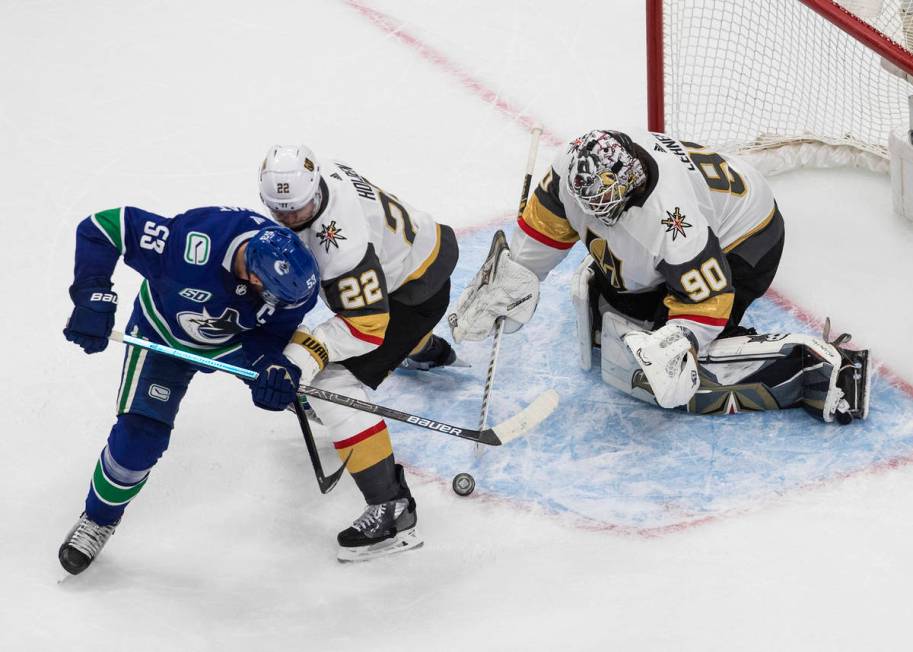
[330,235]
[203,327]
[675,223]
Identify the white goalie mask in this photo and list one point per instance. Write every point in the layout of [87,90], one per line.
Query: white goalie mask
[289,178]
[603,173]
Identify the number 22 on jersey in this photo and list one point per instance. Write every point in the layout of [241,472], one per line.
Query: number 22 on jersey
[358,292]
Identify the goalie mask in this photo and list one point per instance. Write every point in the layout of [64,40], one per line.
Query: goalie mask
[603,173]
[289,178]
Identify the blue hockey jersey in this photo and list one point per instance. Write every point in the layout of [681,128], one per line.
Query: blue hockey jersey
[190,298]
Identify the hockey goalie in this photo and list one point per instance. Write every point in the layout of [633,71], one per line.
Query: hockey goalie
[680,241]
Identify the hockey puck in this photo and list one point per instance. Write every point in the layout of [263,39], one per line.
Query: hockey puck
[463,484]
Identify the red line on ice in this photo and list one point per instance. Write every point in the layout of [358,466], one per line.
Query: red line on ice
[396,29]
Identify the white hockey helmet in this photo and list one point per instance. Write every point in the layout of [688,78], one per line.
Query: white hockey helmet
[289,178]
[602,174]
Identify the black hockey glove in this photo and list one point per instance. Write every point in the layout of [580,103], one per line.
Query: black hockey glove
[92,319]
[277,385]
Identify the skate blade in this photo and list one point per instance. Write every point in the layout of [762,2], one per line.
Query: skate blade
[412,365]
[400,543]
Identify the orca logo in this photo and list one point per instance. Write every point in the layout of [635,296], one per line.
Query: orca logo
[203,327]
[282,267]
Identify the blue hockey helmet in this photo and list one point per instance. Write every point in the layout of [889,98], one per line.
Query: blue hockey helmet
[283,264]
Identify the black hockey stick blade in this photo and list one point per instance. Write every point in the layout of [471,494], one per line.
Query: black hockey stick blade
[326,483]
[508,430]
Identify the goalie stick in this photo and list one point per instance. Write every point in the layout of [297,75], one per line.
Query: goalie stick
[508,430]
[463,483]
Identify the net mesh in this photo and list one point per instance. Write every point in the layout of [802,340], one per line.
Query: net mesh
[754,77]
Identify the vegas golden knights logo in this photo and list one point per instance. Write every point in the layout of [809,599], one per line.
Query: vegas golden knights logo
[607,262]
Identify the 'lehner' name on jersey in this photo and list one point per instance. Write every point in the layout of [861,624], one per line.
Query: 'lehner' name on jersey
[676,148]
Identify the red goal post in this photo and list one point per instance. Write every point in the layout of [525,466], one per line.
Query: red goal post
[788,82]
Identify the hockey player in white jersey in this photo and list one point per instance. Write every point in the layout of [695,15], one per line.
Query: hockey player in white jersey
[385,272]
[680,241]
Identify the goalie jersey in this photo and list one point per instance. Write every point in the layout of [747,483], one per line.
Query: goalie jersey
[190,298]
[696,206]
[371,248]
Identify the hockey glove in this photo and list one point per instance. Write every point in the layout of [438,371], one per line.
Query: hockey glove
[92,318]
[277,384]
[512,292]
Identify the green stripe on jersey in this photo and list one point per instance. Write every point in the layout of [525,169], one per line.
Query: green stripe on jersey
[128,385]
[111,225]
[109,491]
[161,327]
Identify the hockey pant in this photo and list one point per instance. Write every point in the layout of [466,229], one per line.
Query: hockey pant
[151,389]
[364,435]
[738,374]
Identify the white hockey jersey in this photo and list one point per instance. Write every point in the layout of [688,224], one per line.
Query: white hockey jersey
[696,205]
[371,248]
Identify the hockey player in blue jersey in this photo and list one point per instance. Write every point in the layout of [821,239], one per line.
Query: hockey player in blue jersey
[225,283]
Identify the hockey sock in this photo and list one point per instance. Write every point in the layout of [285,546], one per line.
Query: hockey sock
[371,464]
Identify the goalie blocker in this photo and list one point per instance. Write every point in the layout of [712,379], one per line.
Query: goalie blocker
[748,373]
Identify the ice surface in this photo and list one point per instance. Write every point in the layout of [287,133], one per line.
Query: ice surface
[613,526]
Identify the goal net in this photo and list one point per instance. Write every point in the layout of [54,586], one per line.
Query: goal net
[788,82]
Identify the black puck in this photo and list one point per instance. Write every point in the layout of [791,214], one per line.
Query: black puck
[463,484]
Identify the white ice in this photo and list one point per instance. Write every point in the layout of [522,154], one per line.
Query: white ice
[230,546]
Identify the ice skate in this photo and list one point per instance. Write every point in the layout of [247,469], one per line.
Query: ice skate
[83,543]
[436,353]
[382,529]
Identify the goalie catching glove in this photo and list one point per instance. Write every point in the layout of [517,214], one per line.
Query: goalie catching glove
[502,288]
[667,358]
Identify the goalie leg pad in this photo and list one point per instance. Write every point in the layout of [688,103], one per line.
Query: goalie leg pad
[580,295]
[618,366]
[831,382]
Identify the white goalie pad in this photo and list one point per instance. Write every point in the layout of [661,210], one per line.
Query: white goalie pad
[580,296]
[618,365]
[512,292]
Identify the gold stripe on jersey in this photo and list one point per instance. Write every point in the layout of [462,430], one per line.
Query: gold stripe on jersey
[421,269]
[760,227]
[313,346]
[543,221]
[370,328]
[715,308]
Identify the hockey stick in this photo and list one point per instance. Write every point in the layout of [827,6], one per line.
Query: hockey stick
[508,430]
[499,242]
[325,483]
[464,483]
